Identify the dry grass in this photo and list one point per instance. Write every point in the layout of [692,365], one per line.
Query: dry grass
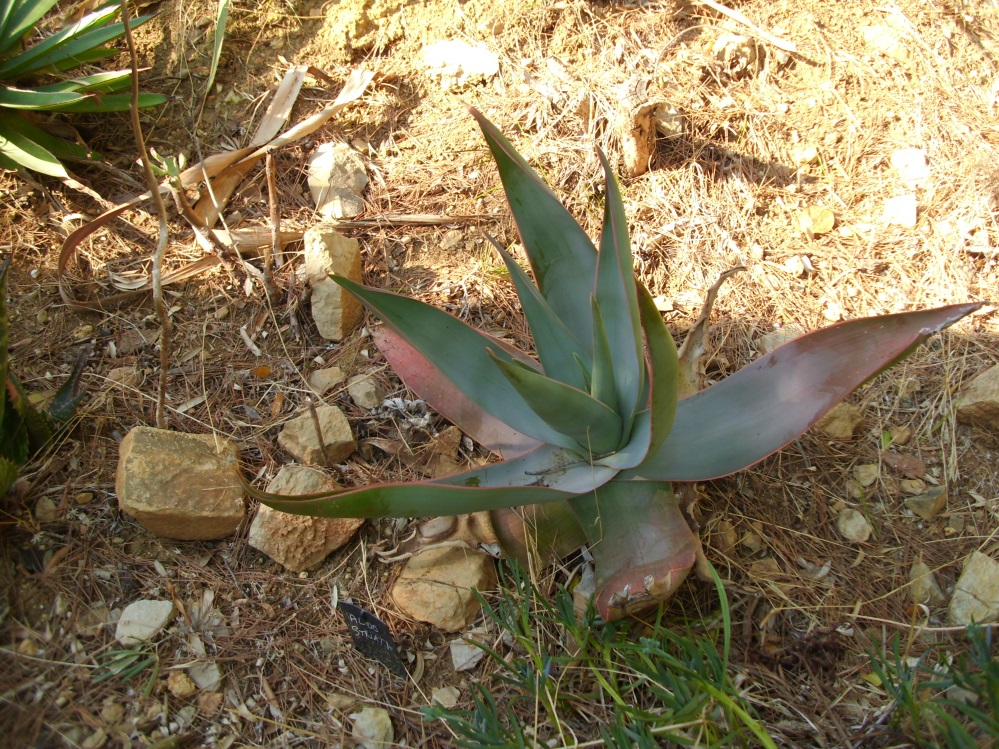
[726,192]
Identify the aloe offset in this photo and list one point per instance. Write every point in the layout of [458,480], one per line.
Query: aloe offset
[592,433]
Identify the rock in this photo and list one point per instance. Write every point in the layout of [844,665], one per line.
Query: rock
[300,439]
[853,526]
[182,486]
[976,595]
[842,422]
[886,40]
[913,486]
[446,697]
[180,685]
[978,403]
[866,474]
[465,654]
[900,435]
[299,542]
[910,165]
[365,392]
[436,586]
[336,179]
[457,64]
[142,620]
[669,122]
[125,378]
[736,53]
[46,510]
[207,676]
[901,211]
[770,341]
[924,585]
[96,740]
[324,380]
[929,504]
[635,125]
[372,728]
[327,251]
[335,312]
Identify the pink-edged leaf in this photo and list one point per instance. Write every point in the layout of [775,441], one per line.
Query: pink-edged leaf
[767,404]
[641,544]
[428,382]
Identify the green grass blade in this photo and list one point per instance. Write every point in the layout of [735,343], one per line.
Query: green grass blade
[17,17]
[558,351]
[4,339]
[20,98]
[27,153]
[562,257]
[104,82]
[58,147]
[110,103]
[221,20]
[87,33]
[767,404]
[568,410]
[461,354]
[618,301]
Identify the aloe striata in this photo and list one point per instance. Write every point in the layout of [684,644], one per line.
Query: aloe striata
[591,432]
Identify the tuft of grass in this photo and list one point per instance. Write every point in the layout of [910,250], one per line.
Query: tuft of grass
[640,683]
[954,703]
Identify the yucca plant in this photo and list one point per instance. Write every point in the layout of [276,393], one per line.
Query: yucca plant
[25,142]
[24,429]
[591,433]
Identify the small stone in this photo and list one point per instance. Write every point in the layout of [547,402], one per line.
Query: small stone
[976,594]
[328,251]
[207,676]
[465,654]
[46,510]
[84,498]
[900,435]
[180,685]
[142,620]
[924,585]
[725,538]
[910,164]
[885,40]
[182,486]
[777,338]
[446,697]
[804,155]
[125,377]
[324,380]
[95,740]
[929,504]
[751,542]
[913,486]
[436,586]
[901,211]
[300,439]
[365,392]
[92,621]
[853,526]
[842,422]
[335,312]
[372,728]
[336,179]
[866,474]
[299,542]
[457,63]
[978,403]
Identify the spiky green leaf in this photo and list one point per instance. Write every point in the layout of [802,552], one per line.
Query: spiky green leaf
[764,406]
[561,255]
[20,98]
[27,153]
[110,103]
[18,17]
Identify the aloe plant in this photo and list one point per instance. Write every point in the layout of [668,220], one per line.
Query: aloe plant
[23,428]
[25,142]
[591,433]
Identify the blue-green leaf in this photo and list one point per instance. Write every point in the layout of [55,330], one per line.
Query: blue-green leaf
[592,424]
[662,371]
[562,256]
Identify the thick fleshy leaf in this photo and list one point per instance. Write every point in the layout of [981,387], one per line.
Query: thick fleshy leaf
[460,352]
[57,147]
[25,152]
[21,98]
[560,354]
[641,544]
[764,406]
[662,373]
[17,17]
[562,257]
[602,385]
[569,411]
[103,82]
[428,382]
[618,302]
[110,103]
[550,531]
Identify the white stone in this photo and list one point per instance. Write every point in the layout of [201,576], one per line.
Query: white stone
[143,620]
[300,439]
[458,63]
[901,211]
[976,594]
[372,728]
[770,341]
[324,380]
[436,586]
[365,392]
[853,526]
[465,655]
[910,165]
[446,697]
[299,542]
[336,179]
[207,676]
[924,585]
